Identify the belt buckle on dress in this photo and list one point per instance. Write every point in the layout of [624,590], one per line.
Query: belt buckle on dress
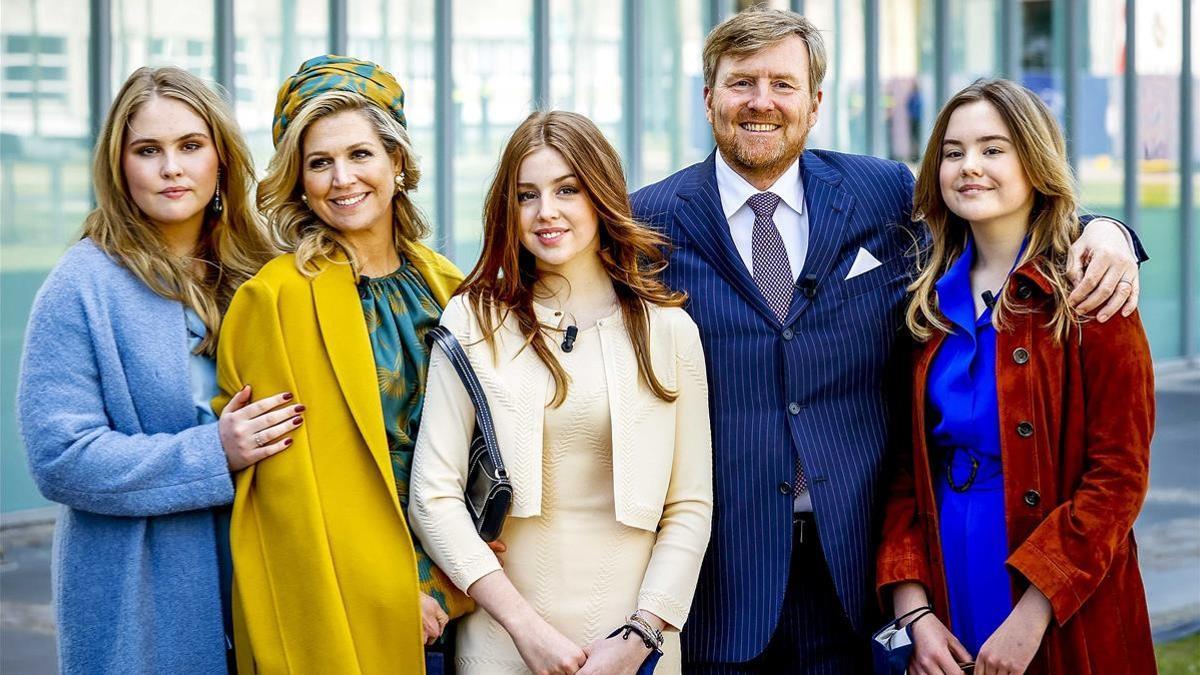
[950,472]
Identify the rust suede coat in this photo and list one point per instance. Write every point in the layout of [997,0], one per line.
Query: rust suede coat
[1075,426]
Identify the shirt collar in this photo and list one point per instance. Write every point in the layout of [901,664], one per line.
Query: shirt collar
[735,190]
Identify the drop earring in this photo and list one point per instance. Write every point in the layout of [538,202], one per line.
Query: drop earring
[217,207]
[400,182]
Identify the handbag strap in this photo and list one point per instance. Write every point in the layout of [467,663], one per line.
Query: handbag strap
[483,414]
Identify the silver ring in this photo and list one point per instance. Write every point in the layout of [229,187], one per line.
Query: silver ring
[258,442]
[1125,281]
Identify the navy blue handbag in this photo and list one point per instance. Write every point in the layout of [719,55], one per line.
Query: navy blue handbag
[892,645]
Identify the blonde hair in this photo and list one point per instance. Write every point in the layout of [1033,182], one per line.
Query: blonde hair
[632,254]
[1053,224]
[757,28]
[294,226]
[232,246]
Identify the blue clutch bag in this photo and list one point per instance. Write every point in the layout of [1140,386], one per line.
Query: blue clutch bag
[892,645]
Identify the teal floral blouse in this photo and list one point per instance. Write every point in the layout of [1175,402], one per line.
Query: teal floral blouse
[399,309]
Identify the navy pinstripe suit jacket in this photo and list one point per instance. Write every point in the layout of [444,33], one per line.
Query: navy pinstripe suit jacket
[809,389]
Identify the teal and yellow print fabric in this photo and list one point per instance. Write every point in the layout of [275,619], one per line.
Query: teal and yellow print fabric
[336,73]
[399,309]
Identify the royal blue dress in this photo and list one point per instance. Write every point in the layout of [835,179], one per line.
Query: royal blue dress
[965,453]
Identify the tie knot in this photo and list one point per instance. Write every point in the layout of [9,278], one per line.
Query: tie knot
[763,204]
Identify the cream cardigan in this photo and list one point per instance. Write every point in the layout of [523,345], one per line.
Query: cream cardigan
[662,452]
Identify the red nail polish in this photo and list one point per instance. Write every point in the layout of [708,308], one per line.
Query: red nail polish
[287,396]
[300,409]
[297,420]
[287,442]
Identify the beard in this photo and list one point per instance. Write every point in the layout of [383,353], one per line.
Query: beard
[758,159]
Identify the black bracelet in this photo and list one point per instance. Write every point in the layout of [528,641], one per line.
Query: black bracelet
[646,639]
[923,608]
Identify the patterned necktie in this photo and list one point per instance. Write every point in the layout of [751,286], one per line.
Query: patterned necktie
[772,272]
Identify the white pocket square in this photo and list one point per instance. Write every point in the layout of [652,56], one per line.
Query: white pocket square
[864,262]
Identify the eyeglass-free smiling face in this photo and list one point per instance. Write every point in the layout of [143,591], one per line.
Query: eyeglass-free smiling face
[170,163]
[348,177]
[761,109]
[559,224]
[981,176]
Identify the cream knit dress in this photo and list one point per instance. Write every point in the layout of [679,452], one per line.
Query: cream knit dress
[578,567]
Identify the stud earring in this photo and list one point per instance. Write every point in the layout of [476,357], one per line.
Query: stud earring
[217,207]
[304,198]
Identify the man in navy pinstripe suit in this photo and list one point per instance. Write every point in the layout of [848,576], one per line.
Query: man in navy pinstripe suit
[795,263]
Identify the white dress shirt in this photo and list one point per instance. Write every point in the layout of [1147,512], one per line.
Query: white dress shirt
[791,219]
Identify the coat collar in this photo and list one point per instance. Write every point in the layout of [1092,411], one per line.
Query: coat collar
[348,345]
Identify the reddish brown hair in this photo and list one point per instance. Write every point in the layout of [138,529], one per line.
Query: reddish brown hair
[502,281]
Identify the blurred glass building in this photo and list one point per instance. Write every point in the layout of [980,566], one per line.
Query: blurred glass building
[1121,75]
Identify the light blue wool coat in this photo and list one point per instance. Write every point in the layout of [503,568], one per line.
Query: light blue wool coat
[109,422]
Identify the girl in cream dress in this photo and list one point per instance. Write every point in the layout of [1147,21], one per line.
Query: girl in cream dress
[603,428]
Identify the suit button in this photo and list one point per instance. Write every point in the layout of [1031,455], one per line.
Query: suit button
[785,488]
[1024,429]
[1021,355]
[794,408]
[788,334]
[1032,498]
[1024,292]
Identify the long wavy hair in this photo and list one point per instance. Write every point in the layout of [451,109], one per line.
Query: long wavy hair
[502,281]
[232,246]
[294,226]
[1053,224]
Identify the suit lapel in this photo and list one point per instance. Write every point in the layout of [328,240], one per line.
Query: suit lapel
[829,207]
[702,218]
[344,333]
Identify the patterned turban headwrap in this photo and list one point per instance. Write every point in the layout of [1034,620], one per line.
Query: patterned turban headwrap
[336,73]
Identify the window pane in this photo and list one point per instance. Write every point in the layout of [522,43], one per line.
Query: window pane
[1101,116]
[492,94]
[398,35]
[1159,52]
[1041,46]
[906,78]
[44,187]
[273,38]
[842,122]
[974,41]
[161,33]
[675,132]
[585,55]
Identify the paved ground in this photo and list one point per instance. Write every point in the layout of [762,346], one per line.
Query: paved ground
[1168,534]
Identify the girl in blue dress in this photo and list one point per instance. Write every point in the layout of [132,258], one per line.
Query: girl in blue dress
[1011,519]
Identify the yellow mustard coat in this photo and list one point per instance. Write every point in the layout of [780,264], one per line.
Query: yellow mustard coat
[325,577]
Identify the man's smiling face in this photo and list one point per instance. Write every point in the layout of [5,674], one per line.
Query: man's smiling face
[761,110]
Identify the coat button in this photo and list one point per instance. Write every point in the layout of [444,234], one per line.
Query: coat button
[794,408]
[1024,292]
[1033,498]
[788,334]
[785,488]
[1021,355]
[1024,429]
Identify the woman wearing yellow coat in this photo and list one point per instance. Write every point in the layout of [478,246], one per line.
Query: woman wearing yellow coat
[327,578]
